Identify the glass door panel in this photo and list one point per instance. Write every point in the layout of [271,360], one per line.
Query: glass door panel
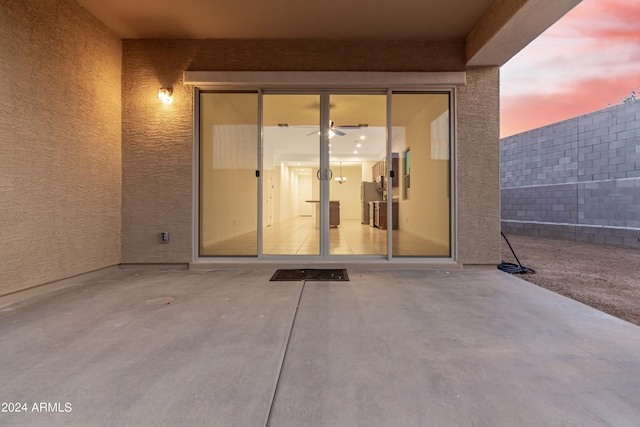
[228,185]
[290,170]
[326,190]
[421,138]
[357,149]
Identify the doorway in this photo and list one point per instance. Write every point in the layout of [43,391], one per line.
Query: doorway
[324,174]
[319,149]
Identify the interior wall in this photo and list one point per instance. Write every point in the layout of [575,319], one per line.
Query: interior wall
[305,187]
[348,193]
[367,170]
[60,121]
[230,207]
[288,194]
[425,213]
[228,161]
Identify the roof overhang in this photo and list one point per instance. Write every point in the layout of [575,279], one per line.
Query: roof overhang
[509,26]
[493,30]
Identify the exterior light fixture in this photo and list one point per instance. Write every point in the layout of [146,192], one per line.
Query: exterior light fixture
[164,95]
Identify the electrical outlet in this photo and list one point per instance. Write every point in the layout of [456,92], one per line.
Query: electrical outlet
[164,237]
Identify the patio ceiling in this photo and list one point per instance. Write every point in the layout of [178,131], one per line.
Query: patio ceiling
[494,30]
[290,19]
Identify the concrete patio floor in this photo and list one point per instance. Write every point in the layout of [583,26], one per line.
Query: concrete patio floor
[388,348]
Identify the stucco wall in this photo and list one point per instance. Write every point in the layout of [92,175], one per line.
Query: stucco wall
[478,173]
[158,138]
[60,121]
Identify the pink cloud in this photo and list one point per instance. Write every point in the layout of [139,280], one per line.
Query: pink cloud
[519,114]
[586,61]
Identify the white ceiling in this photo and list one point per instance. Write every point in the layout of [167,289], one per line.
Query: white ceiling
[290,19]
[299,145]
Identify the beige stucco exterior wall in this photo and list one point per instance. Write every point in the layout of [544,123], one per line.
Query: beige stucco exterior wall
[157,153]
[158,138]
[60,121]
[478,171]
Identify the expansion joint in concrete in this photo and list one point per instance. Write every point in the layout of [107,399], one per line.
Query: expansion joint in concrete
[284,356]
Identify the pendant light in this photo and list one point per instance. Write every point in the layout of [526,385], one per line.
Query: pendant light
[341,178]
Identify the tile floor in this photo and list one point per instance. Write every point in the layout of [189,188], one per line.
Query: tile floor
[299,236]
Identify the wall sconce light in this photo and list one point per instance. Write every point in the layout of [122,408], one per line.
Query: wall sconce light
[164,95]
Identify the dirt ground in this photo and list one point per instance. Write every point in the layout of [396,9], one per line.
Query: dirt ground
[604,277]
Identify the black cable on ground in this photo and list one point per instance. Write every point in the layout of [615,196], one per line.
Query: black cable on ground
[511,268]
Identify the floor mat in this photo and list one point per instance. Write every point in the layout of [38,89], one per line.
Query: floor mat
[319,274]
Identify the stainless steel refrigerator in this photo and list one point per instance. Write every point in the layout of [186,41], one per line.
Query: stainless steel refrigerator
[368,193]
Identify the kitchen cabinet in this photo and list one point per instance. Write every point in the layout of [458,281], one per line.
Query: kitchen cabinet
[379,169]
[380,219]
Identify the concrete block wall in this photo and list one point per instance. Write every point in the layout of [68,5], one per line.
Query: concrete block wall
[577,179]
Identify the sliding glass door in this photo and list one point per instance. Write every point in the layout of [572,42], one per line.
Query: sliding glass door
[421,146]
[357,149]
[324,174]
[290,174]
[228,188]
[319,153]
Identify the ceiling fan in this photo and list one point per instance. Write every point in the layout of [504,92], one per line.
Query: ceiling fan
[333,128]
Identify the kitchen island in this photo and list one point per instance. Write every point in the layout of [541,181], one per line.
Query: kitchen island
[334,212]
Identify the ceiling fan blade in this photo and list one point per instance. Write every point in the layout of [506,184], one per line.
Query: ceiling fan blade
[338,132]
[315,132]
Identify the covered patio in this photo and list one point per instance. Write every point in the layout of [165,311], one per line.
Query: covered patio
[230,348]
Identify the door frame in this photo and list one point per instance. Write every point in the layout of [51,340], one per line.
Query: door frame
[324,82]
[325,172]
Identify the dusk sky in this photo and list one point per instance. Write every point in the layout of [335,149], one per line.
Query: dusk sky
[586,61]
